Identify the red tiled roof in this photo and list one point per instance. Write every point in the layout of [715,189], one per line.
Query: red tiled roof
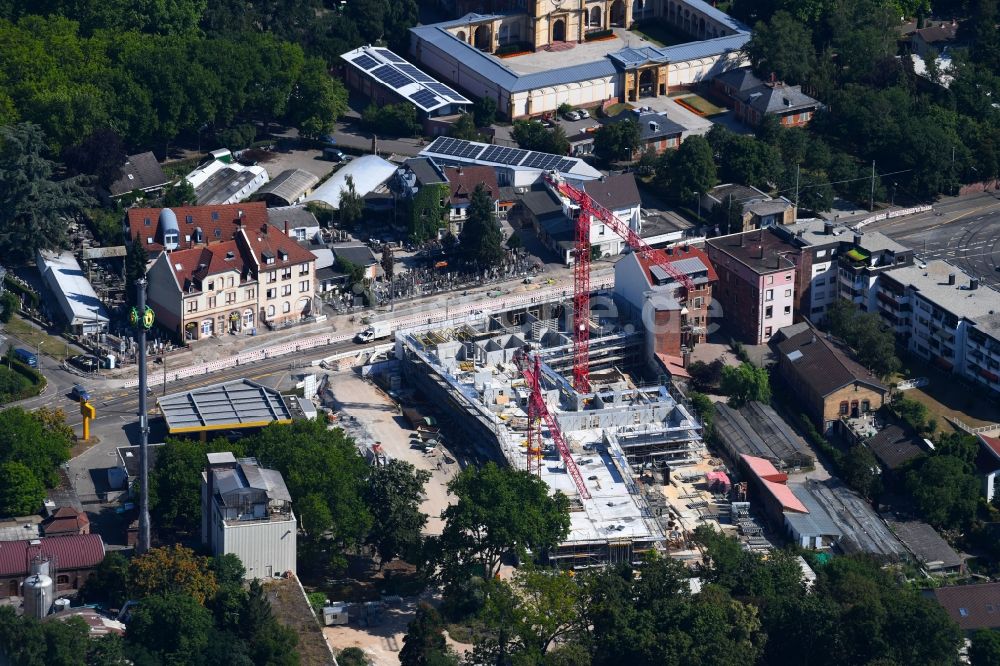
[674,365]
[81,551]
[217,223]
[992,444]
[201,262]
[679,252]
[265,239]
[463,181]
[66,520]
[972,606]
[763,468]
[785,497]
[774,482]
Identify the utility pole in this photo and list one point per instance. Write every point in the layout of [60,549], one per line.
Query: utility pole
[144,536]
[796,189]
[871,205]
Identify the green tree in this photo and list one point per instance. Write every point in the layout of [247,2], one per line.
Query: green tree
[10,304]
[498,511]
[173,626]
[391,119]
[109,583]
[325,476]
[539,607]
[861,471]
[388,263]
[393,497]
[427,212]
[175,482]
[745,383]
[21,493]
[705,408]
[985,648]
[172,569]
[355,273]
[689,171]
[424,643]
[465,128]
[317,99]
[481,238]
[782,46]
[352,204]
[873,342]
[180,193]
[617,141]
[352,656]
[136,259]
[484,111]
[39,440]
[945,491]
[101,155]
[36,205]
[532,135]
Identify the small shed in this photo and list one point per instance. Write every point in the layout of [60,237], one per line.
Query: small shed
[287,188]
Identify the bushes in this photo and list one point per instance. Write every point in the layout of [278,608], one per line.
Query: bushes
[31,381]
[598,34]
[391,119]
[26,294]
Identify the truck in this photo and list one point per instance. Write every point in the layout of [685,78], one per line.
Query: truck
[375,331]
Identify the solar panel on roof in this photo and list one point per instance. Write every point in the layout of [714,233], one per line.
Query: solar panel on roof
[565,165]
[391,76]
[389,55]
[414,72]
[425,99]
[442,89]
[436,144]
[365,61]
[513,157]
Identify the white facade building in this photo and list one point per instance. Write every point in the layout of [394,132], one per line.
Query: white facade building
[246,510]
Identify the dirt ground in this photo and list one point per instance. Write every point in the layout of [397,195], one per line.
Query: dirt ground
[371,406]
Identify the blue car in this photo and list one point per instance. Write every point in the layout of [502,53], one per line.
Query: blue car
[26,357]
[80,393]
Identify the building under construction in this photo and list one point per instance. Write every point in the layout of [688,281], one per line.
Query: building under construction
[590,446]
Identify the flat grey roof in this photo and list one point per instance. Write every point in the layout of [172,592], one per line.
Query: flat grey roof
[862,529]
[958,299]
[240,403]
[926,544]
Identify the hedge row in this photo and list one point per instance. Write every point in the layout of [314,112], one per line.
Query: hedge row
[31,296]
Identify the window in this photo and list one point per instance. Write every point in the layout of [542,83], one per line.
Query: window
[287,307]
[211,301]
[767,331]
[230,282]
[206,327]
[303,269]
[286,290]
[189,219]
[211,286]
[251,293]
[218,232]
[287,273]
[788,309]
[192,306]
[843,408]
[788,277]
[215,215]
[788,292]
[272,293]
[230,297]
[272,276]
[866,406]
[820,253]
[770,279]
[304,286]
[697,302]
[147,222]
[62,579]
[768,312]
[270,310]
[769,295]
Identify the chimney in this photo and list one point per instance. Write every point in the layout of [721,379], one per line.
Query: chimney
[974,283]
[670,249]
[828,228]
[951,278]
[857,238]
[263,228]
[286,227]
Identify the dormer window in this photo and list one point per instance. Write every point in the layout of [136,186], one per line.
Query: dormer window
[189,219]
[147,222]
[268,257]
[218,232]
[215,215]
[282,255]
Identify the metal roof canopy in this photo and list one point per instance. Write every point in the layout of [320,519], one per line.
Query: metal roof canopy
[230,405]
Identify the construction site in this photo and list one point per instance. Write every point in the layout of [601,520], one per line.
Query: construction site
[573,396]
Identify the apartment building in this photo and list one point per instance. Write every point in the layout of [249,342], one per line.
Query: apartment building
[673,317]
[870,255]
[823,263]
[284,271]
[462,183]
[756,286]
[945,316]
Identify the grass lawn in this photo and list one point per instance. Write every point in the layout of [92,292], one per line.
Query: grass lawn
[948,396]
[615,109]
[661,34]
[700,105]
[36,338]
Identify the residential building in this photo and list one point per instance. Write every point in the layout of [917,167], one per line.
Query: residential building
[656,131]
[284,274]
[829,384]
[296,222]
[183,227]
[946,317]
[674,318]
[287,188]
[988,463]
[71,560]
[756,287]
[140,172]
[753,100]
[246,511]
[759,211]
[972,607]
[74,300]
[415,174]
[204,291]
[937,36]
[462,182]
[870,255]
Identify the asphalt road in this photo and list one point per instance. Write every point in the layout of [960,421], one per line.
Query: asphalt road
[964,232]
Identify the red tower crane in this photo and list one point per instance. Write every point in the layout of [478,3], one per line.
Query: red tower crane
[581,274]
[532,373]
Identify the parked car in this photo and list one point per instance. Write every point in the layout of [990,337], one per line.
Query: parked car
[79,393]
[335,155]
[583,113]
[571,115]
[86,363]
[366,335]
[26,357]
[548,124]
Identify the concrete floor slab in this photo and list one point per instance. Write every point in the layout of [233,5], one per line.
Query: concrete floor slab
[542,61]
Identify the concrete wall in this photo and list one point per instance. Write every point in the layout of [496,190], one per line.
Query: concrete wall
[267,548]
